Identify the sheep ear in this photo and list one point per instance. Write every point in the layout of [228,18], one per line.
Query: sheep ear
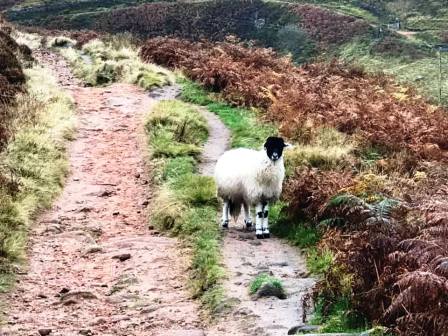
[286,145]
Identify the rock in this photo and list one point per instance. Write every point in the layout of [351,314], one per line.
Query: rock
[86,332]
[42,296]
[122,257]
[303,329]
[98,321]
[74,297]
[148,310]
[145,203]
[44,332]
[106,193]
[150,227]
[64,290]
[304,274]
[93,249]
[116,213]
[269,289]
[85,209]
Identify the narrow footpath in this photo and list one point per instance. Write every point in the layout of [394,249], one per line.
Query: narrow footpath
[245,257]
[94,267]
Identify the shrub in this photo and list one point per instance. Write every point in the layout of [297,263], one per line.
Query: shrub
[327,27]
[328,95]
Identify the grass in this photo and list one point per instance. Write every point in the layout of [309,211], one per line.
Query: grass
[263,279]
[247,130]
[176,129]
[114,59]
[328,149]
[35,163]
[186,202]
[421,72]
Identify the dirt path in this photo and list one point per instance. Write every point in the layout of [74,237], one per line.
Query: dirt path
[245,257]
[94,267]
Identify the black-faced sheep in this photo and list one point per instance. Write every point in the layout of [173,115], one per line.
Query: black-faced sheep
[247,177]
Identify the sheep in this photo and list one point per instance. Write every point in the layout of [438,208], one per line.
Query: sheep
[246,177]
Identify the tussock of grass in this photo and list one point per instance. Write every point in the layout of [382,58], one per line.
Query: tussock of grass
[36,160]
[175,129]
[262,279]
[169,212]
[186,204]
[196,189]
[112,60]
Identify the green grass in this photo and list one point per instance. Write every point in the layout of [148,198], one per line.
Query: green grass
[262,279]
[36,160]
[423,73]
[247,130]
[176,129]
[114,59]
[186,202]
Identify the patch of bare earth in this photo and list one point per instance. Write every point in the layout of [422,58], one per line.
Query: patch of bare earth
[245,257]
[94,267]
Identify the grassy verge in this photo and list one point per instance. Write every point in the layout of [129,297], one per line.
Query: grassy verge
[113,59]
[33,165]
[186,202]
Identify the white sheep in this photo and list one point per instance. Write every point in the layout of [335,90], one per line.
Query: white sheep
[246,177]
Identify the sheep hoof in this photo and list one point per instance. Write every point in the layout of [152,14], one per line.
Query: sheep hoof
[248,224]
[266,235]
[260,236]
[225,224]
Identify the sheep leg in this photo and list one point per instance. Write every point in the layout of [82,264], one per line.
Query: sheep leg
[247,217]
[259,221]
[265,226]
[225,215]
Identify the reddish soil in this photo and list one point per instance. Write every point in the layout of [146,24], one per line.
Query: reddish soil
[94,266]
[245,257]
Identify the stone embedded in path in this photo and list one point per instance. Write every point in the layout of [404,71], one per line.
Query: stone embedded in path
[44,332]
[93,249]
[73,297]
[122,257]
[303,329]
[269,289]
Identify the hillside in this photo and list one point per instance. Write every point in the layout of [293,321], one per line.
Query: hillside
[158,91]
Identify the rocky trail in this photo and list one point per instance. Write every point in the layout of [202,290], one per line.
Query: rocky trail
[95,266]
